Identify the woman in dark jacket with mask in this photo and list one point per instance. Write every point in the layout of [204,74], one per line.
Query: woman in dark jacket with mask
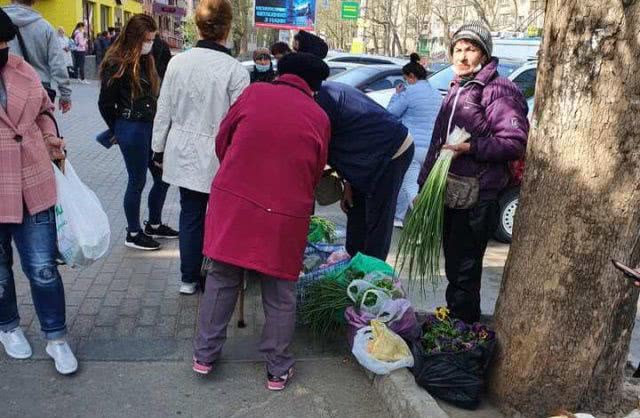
[493,110]
[128,100]
[263,68]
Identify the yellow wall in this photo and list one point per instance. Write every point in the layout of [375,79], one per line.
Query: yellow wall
[67,13]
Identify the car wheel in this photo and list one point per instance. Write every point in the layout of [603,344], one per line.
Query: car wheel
[508,204]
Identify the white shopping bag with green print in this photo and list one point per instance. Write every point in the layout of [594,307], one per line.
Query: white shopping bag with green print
[82,225]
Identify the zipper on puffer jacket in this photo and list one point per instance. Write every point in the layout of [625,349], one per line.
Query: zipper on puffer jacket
[455,103]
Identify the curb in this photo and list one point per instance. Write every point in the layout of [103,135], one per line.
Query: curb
[403,398]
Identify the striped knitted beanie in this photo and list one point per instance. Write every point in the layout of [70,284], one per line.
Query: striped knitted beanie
[475,32]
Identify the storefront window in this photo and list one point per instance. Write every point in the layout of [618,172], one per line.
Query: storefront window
[105,18]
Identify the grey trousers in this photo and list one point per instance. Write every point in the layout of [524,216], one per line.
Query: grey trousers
[218,304]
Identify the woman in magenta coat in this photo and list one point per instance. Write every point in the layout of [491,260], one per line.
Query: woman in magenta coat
[259,209]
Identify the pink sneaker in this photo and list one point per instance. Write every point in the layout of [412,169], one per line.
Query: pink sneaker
[201,367]
[279,383]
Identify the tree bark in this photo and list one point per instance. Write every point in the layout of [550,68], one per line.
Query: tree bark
[517,12]
[564,316]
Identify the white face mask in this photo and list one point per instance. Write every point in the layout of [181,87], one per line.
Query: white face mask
[146,47]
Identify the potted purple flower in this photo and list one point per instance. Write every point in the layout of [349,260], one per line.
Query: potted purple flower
[451,358]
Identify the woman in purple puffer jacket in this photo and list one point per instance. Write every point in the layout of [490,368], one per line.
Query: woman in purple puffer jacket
[493,110]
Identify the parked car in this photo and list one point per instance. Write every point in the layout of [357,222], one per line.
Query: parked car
[336,68]
[434,67]
[523,74]
[368,78]
[508,200]
[365,59]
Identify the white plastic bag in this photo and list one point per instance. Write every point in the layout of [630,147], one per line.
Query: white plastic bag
[82,225]
[357,287]
[392,310]
[361,352]
[458,136]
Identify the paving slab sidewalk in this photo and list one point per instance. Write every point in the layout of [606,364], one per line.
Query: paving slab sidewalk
[323,388]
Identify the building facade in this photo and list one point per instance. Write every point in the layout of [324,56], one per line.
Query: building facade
[169,15]
[97,15]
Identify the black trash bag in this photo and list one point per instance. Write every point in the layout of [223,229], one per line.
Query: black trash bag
[457,378]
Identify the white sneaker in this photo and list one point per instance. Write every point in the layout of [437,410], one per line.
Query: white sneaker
[15,344]
[188,288]
[62,355]
[398,223]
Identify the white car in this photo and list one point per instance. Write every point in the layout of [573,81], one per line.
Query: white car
[382,97]
[340,67]
[334,67]
[365,59]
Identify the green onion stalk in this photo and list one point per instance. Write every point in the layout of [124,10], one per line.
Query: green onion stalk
[421,239]
[324,305]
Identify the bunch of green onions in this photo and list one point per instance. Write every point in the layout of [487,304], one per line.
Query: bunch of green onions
[421,239]
[324,305]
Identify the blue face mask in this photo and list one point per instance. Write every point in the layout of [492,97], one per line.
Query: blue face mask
[262,68]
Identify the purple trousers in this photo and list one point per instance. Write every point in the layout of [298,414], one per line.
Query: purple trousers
[218,304]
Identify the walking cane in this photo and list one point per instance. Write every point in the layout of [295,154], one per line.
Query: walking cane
[241,323]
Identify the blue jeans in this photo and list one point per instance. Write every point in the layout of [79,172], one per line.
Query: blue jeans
[134,139]
[35,239]
[193,208]
[409,189]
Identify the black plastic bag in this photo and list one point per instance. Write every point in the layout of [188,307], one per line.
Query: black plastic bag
[457,378]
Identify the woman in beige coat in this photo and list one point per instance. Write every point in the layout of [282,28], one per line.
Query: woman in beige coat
[199,87]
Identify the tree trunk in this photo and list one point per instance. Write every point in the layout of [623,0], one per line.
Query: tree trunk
[447,35]
[564,316]
[375,41]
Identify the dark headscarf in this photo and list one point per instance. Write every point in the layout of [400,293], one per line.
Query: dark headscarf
[312,44]
[309,67]
[7,29]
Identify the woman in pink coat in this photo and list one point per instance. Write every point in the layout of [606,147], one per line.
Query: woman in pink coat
[28,143]
[259,209]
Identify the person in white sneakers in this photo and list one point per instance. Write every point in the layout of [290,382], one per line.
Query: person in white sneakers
[28,144]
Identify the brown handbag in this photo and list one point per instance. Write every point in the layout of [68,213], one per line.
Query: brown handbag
[462,192]
[329,189]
